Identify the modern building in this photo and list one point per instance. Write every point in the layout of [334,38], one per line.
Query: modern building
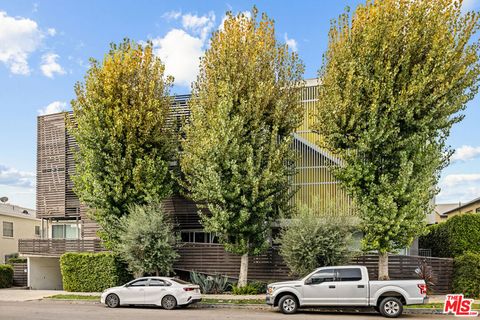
[17,223]
[66,226]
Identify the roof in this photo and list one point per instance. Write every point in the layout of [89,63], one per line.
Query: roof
[11,210]
[461,206]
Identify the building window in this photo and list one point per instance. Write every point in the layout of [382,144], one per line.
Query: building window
[198,236]
[477,210]
[37,231]
[8,229]
[64,231]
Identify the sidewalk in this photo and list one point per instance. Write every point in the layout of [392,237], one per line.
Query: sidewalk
[21,294]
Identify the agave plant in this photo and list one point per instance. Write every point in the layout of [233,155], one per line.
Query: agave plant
[210,284]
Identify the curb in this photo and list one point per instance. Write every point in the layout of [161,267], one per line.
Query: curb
[267,307]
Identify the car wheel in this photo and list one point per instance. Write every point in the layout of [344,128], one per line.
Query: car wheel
[112,300]
[169,302]
[288,304]
[391,307]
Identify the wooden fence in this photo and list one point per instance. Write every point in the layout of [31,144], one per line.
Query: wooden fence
[212,259]
[20,274]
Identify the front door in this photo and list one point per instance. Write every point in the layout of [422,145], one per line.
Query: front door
[320,289]
[134,293]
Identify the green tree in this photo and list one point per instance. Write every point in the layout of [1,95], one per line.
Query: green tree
[147,240]
[236,156]
[316,239]
[394,79]
[124,145]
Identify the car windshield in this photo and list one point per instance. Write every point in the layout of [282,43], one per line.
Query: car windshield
[180,281]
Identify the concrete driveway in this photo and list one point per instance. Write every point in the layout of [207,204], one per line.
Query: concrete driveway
[20,294]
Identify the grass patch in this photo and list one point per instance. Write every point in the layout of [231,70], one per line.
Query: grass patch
[475,306]
[233,301]
[73,297]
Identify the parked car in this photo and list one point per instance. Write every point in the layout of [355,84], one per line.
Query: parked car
[346,286]
[166,292]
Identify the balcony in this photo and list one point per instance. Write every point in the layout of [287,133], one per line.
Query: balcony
[57,247]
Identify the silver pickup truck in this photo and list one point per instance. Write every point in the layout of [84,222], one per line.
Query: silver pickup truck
[346,286]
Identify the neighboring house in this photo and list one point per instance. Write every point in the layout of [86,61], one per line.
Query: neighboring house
[16,223]
[448,210]
[68,228]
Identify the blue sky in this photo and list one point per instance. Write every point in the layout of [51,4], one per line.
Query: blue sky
[45,47]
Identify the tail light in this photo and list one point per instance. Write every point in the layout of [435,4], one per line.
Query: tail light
[423,288]
[188,289]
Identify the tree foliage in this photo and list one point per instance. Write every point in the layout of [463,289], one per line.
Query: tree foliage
[316,239]
[147,240]
[236,156]
[125,146]
[453,237]
[394,79]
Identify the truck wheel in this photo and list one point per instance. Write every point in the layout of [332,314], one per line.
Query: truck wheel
[288,304]
[391,307]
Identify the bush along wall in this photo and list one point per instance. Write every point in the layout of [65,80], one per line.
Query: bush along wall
[92,272]
[466,277]
[454,237]
[6,276]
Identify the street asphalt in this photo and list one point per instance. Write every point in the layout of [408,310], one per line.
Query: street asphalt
[48,310]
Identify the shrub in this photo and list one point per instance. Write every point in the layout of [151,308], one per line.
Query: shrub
[247,289]
[210,284]
[6,276]
[16,260]
[454,237]
[466,276]
[311,240]
[92,272]
[147,240]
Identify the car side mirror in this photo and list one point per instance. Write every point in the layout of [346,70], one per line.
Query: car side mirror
[308,281]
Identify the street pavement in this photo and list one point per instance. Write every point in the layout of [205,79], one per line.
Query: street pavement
[48,310]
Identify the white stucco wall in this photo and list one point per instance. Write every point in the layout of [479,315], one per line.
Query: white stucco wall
[44,273]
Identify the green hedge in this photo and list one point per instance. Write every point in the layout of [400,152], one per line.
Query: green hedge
[92,272]
[466,277]
[6,276]
[454,237]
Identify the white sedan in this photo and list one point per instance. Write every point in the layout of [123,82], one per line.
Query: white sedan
[166,292]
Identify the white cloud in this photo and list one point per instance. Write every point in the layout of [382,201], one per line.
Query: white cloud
[19,37]
[200,25]
[459,188]
[172,15]
[291,43]
[15,178]
[51,32]
[50,66]
[54,107]
[181,54]
[465,153]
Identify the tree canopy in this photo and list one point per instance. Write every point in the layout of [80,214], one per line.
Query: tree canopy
[394,80]
[124,143]
[236,155]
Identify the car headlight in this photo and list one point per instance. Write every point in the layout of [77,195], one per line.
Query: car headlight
[270,290]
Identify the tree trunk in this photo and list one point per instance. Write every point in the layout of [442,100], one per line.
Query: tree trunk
[242,278]
[383,266]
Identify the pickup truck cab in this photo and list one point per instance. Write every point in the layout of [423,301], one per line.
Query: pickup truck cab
[346,286]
